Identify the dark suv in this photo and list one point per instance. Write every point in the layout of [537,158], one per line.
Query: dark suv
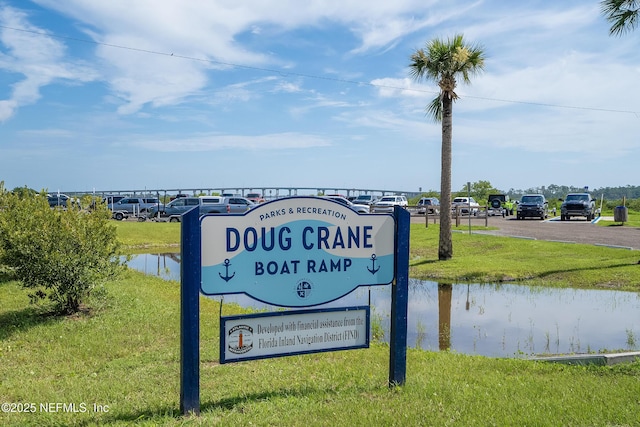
[532,205]
[578,204]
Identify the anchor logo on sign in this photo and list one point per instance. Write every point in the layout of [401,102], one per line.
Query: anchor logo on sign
[226,277]
[373,269]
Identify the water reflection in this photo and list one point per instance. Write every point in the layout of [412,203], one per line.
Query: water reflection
[501,320]
[445,291]
[166,265]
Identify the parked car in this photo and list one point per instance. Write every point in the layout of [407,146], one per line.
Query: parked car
[364,199]
[233,205]
[207,204]
[255,197]
[112,198]
[578,204]
[175,207]
[429,205]
[350,205]
[136,206]
[62,201]
[465,205]
[385,204]
[532,205]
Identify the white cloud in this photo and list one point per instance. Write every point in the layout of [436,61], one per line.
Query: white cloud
[208,31]
[7,110]
[37,57]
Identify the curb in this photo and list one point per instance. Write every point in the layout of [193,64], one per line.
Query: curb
[593,359]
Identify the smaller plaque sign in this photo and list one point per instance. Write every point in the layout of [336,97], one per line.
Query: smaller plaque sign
[285,333]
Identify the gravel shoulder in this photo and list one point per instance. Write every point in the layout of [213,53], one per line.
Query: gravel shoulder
[575,231]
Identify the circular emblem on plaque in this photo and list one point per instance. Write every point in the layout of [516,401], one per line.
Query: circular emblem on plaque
[303,289]
[240,339]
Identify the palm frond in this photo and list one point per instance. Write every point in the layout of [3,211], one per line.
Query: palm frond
[434,109]
[622,14]
[441,61]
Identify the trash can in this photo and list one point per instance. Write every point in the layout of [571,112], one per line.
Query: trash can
[620,214]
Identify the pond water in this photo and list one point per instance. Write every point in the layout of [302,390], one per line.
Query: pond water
[498,320]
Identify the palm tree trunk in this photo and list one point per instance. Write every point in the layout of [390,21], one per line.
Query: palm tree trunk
[445,246]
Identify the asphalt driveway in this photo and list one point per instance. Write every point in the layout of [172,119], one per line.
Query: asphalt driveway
[575,230]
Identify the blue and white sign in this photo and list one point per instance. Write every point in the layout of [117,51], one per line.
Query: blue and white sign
[296,252]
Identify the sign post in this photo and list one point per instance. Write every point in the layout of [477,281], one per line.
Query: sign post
[190,313]
[292,252]
[400,301]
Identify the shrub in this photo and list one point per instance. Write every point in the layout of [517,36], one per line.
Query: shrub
[631,204]
[59,254]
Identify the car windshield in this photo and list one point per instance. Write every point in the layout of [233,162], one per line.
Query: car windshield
[578,197]
[388,199]
[531,199]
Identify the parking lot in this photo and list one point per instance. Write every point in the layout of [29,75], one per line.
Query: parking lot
[575,230]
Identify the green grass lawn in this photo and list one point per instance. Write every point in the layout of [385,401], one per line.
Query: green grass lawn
[485,258]
[632,217]
[139,236]
[123,356]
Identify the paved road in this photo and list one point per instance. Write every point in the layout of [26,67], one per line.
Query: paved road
[576,230]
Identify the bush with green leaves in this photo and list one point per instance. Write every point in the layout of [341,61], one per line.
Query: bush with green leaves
[58,254]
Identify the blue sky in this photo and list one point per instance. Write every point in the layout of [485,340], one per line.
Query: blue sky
[108,95]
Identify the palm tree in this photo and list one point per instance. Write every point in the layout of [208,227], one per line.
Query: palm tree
[443,61]
[622,14]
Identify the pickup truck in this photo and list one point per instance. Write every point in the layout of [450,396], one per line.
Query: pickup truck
[133,206]
[534,205]
[207,204]
[465,206]
[578,204]
[365,199]
[385,204]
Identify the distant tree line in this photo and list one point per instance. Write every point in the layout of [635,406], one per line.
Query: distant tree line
[611,196]
[560,191]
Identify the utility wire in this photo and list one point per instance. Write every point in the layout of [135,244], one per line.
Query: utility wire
[310,76]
